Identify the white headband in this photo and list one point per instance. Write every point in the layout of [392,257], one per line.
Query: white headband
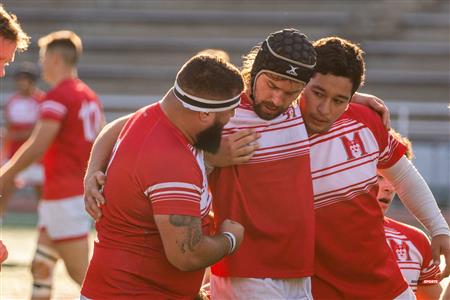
[204,105]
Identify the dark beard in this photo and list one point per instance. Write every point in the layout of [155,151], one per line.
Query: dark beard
[209,139]
[257,108]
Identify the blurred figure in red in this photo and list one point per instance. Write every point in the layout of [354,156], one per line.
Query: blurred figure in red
[20,115]
[12,38]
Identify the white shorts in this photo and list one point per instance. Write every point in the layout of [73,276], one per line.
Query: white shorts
[31,176]
[64,219]
[407,294]
[260,288]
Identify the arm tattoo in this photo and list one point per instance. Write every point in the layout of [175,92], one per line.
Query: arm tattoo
[193,234]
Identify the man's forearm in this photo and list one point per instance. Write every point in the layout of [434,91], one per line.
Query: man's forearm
[103,146]
[416,196]
[210,250]
[186,247]
[25,156]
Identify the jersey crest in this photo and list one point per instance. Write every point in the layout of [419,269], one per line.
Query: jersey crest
[355,147]
[401,250]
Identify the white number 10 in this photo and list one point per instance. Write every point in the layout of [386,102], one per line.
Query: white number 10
[91,117]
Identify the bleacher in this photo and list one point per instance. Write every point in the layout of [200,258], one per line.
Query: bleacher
[134,48]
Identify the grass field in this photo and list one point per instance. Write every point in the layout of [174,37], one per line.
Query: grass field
[15,279]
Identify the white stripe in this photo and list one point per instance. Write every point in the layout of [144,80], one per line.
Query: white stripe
[347,165]
[351,126]
[201,109]
[345,197]
[180,90]
[287,59]
[162,200]
[410,264]
[157,194]
[50,105]
[276,158]
[172,185]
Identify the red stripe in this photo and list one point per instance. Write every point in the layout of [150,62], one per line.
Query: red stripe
[346,197]
[337,135]
[334,129]
[280,151]
[348,168]
[234,129]
[346,162]
[283,145]
[278,157]
[69,239]
[340,189]
[335,192]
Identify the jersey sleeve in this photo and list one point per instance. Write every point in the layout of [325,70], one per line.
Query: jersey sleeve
[173,182]
[53,107]
[391,150]
[428,270]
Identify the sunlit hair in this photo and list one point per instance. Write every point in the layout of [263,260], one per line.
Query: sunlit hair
[210,77]
[340,57]
[216,52]
[247,64]
[66,43]
[405,141]
[10,29]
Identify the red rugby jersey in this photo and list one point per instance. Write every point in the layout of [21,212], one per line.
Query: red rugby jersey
[271,196]
[353,260]
[77,108]
[153,170]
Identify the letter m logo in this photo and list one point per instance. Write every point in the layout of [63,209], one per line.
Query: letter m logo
[354,148]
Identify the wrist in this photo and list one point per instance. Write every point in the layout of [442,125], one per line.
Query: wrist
[231,240]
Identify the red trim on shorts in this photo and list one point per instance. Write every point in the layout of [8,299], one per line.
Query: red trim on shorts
[72,238]
[68,239]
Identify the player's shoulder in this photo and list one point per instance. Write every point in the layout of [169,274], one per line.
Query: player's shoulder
[413,233]
[362,112]
[365,115]
[161,139]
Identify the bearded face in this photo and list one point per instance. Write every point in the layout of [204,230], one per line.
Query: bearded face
[209,138]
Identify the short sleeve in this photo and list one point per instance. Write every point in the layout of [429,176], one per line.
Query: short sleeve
[52,108]
[172,181]
[392,153]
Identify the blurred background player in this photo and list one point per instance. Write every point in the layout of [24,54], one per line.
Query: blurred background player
[12,38]
[410,245]
[70,119]
[21,112]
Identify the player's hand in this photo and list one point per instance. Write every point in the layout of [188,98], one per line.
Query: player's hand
[376,104]
[235,228]
[93,198]
[440,245]
[236,148]
[3,253]
[6,186]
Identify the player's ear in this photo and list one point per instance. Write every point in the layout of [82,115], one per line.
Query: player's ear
[206,117]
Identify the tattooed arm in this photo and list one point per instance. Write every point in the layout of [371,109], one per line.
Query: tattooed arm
[187,248]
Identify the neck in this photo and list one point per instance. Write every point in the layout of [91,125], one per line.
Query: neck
[68,73]
[179,116]
[27,92]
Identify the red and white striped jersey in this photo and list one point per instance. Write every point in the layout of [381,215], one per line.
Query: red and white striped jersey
[21,114]
[153,170]
[412,250]
[353,259]
[80,113]
[271,196]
